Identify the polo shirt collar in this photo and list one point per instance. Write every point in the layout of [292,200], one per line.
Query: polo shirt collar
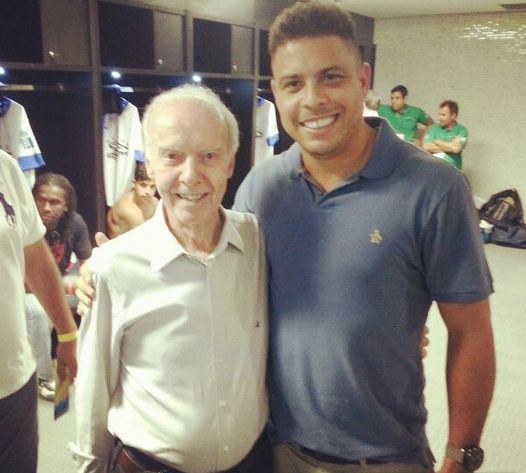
[165,248]
[381,163]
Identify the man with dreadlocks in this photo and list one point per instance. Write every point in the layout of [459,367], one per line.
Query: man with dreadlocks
[66,233]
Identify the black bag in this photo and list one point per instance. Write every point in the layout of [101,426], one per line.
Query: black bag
[513,236]
[503,209]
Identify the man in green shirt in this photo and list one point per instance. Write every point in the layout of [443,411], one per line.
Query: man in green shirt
[447,138]
[404,118]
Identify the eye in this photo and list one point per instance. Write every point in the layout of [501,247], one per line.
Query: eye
[172,157]
[332,77]
[210,157]
[292,85]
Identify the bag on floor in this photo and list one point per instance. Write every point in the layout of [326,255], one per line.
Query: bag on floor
[512,235]
[503,209]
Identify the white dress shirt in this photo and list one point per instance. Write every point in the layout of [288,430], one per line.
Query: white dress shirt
[172,355]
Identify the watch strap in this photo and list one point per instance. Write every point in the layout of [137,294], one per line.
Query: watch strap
[455,453]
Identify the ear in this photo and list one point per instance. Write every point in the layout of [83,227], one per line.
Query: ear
[365,77]
[149,168]
[231,166]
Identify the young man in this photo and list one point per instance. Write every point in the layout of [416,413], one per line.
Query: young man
[447,138]
[404,118]
[363,233]
[66,233]
[135,206]
[172,356]
[25,253]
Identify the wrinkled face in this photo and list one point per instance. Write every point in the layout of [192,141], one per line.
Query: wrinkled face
[319,86]
[397,101]
[446,117]
[189,161]
[144,189]
[51,204]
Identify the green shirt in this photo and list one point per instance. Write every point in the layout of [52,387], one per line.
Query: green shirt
[436,132]
[405,122]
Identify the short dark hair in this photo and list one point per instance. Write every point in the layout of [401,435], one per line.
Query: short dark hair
[400,88]
[50,178]
[453,106]
[310,20]
[141,174]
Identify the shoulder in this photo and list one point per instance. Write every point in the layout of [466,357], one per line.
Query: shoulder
[266,177]
[384,110]
[132,244]
[461,129]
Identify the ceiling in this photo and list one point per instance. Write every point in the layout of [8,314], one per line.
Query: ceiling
[399,8]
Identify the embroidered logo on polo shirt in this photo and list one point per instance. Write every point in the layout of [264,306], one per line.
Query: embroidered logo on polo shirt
[375,237]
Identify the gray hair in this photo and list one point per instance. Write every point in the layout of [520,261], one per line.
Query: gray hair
[372,100]
[198,93]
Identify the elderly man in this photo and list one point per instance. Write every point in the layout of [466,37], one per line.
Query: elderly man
[25,253]
[172,355]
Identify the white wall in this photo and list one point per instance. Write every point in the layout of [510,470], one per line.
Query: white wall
[477,60]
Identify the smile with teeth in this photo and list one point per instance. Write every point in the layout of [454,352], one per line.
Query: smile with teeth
[191,197]
[319,123]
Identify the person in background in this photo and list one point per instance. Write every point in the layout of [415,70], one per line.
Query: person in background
[447,138]
[66,234]
[404,118]
[371,104]
[363,232]
[172,356]
[135,206]
[25,253]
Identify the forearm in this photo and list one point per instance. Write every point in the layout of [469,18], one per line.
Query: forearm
[431,147]
[44,280]
[470,374]
[449,147]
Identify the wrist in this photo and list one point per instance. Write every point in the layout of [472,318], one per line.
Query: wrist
[67,337]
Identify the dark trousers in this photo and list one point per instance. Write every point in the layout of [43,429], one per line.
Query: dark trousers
[258,460]
[19,430]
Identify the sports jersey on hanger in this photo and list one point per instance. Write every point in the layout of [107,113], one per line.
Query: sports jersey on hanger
[122,142]
[17,138]
[266,130]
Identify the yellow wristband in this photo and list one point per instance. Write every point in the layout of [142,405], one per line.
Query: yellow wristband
[68,337]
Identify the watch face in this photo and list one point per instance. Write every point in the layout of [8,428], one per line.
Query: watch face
[473,458]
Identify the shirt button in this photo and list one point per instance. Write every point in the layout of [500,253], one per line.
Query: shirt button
[226,448]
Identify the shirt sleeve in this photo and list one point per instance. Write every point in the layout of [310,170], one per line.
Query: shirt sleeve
[430,134]
[94,384]
[452,249]
[463,136]
[81,242]
[423,117]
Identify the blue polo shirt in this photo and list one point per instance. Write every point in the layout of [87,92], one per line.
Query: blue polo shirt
[352,274]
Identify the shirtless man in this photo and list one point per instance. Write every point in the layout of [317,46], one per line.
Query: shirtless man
[135,206]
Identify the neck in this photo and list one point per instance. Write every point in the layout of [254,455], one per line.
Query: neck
[329,172]
[199,239]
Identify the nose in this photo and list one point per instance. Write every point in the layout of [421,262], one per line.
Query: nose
[314,95]
[190,171]
[47,206]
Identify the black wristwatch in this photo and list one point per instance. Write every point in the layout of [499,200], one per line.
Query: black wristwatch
[470,458]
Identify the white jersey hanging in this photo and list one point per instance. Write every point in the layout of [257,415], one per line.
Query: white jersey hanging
[122,147]
[17,138]
[266,130]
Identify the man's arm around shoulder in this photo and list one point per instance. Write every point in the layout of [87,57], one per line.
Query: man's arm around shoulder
[470,372]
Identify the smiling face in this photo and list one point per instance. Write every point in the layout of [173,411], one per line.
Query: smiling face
[51,204]
[319,86]
[189,160]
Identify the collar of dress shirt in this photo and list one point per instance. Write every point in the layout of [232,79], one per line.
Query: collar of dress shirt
[165,248]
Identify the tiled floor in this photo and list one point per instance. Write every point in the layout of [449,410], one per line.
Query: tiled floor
[505,433]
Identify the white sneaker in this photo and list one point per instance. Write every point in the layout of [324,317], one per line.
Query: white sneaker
[46,389]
